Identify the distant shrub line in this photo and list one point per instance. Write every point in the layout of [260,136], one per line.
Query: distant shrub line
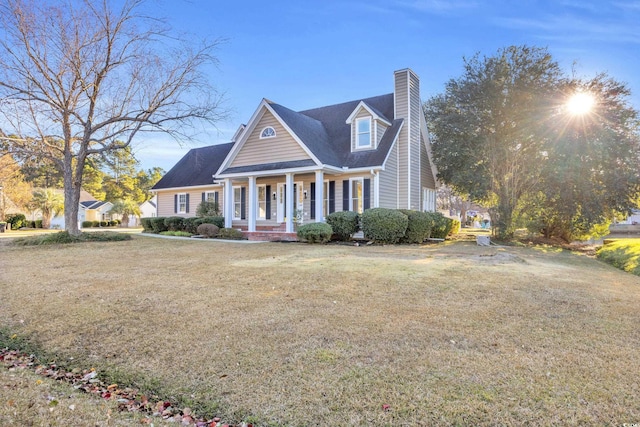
[96,224]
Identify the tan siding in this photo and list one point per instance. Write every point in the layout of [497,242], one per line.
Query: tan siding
[166,201]
[282,148]
[389,181]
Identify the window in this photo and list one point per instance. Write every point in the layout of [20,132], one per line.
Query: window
[211,196]
[182,203]
[268,132]
[237,202]
[356,196]
[363,132]
[262,202]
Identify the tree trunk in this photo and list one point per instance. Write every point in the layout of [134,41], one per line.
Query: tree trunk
[125,220]
[71,196]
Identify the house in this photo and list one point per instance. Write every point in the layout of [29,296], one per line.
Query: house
[288,166]
[148,209]
[90,209]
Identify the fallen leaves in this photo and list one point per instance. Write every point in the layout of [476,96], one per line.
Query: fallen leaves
[128,399]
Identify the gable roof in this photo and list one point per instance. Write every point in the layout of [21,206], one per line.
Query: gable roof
[196,167]
[327,135]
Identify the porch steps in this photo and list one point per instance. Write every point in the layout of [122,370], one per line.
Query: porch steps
[270,236]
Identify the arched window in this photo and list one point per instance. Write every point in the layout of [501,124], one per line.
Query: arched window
[268,132]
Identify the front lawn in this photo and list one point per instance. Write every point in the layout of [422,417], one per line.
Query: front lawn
[295,334]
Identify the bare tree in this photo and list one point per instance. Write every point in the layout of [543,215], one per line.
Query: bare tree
[79,77]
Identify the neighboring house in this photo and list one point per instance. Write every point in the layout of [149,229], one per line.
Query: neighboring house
[286,166]
[90,209]
[148,209]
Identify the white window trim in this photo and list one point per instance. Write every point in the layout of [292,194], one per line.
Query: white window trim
[351,181]
[262,135]
[180,209]
[358,133]
[264,201]
[233,193]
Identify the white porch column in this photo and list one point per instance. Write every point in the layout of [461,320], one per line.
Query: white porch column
[252,204]
[228,203]
[319,196]
[290,199]
[376,189]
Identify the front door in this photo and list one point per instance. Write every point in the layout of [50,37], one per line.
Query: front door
[298,204]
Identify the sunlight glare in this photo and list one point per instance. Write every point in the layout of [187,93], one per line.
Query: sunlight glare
[580,103]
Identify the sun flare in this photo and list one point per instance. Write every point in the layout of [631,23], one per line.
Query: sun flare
[581,103]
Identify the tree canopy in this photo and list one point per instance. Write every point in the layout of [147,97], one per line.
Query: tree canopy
[502,135]
[81,78]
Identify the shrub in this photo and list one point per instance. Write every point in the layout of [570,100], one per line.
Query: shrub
[64,237]
[317,232]
[37,223]
[344,224]
[87,224]
[384,225]
[441,225]
[96,223]
[190,225]
[455,227]
[146,224]
[16,220]
[207,208]
[157,224]
[173,223]
[215,220]
[208,230]
[32,224]
[418,227]
[104,223]
[230,234]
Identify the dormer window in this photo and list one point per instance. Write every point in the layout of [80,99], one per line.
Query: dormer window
[268,132]
[363,132]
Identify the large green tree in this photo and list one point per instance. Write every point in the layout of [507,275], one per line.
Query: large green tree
[49,202]
[85,77]
[487,128]
[593,160]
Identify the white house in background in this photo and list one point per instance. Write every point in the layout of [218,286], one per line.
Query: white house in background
[148,209]
[90,209]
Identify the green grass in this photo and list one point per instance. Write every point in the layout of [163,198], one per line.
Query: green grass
[623,254]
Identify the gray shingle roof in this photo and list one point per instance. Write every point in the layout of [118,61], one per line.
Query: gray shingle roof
[271,166]
[196,167]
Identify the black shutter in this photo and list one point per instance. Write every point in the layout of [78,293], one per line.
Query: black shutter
[203,196]
[215,198]
[175,203]
[313,200]
[345,195]
[332,196]
[243,203]
[187,208]
[267,190]
[366,189]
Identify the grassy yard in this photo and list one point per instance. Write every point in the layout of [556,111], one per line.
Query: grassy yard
[293,334]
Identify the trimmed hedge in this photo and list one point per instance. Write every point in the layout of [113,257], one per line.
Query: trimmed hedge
[146,224]
[441,225]
[208,230]
[317,232]
[190,225]
[158,225]
[174,223]
[230,234]
[384,225]
[418,227]
[344,224]
[218,221]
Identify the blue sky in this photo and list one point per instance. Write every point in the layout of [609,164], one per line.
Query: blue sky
[308,53]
